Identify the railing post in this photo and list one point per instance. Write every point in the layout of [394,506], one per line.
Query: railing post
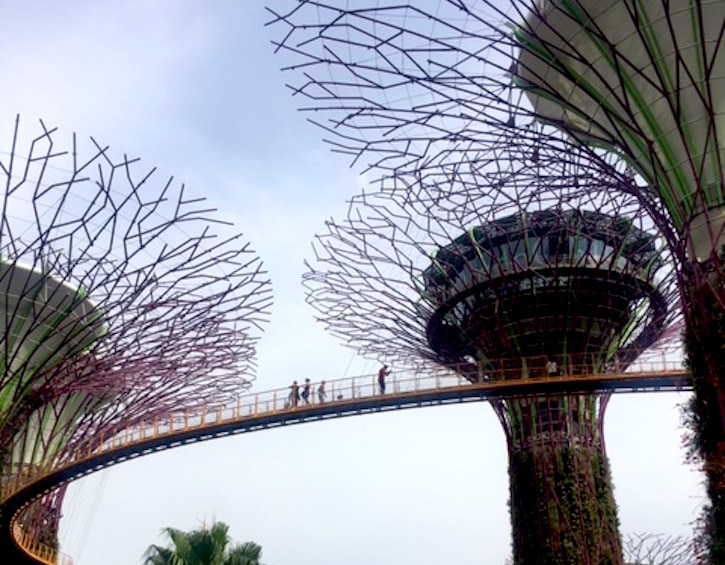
[239,407]
[274,403]
[256,404]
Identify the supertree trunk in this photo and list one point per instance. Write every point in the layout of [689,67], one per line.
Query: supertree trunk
[569,517]
[562,508]
[704,289]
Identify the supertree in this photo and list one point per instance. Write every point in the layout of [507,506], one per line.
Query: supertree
[122,298]
[647,80]
[513,271]
[639,82]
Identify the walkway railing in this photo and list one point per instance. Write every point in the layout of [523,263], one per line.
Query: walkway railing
[39,551]
[337,394]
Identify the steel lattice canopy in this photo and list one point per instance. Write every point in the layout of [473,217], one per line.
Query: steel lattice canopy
[646,79]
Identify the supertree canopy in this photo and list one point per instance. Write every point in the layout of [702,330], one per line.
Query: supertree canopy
[640,83]
[122,298]
[646,79]
[541,268]
[398,85]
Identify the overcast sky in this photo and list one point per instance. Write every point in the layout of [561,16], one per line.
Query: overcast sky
[194,88]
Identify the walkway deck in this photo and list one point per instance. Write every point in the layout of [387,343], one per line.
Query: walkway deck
[272,409]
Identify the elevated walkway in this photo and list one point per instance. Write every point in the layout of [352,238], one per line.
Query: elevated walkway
[274,408]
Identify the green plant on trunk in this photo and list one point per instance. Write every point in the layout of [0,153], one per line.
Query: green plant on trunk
[553,522]
[705,438]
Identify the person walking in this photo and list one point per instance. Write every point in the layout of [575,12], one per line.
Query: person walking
[321,394]
[294,394]
[382,373]
[306,391]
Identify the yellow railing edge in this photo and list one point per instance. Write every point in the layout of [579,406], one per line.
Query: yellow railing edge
[37,550]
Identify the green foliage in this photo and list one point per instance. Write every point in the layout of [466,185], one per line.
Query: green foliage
[205,546]
[562,508]
[248,553]
[704,416]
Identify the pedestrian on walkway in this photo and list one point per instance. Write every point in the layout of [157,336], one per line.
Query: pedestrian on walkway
[294,394]
[382,373]
[321,394]
[306,391]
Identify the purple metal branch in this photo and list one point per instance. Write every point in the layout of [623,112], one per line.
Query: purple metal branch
[123,298]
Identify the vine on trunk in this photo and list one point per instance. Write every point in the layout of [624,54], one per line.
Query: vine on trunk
[704,413]
[569,517]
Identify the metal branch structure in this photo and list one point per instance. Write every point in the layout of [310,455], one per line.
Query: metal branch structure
[528,269]
[659,549]
[122,298]
[401,86]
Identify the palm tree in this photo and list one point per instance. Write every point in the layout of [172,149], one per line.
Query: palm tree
[206,546]
[247,553]
[157,555]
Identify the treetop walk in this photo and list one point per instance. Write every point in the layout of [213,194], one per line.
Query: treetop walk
[276,408]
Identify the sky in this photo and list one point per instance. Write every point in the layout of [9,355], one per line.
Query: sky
[194,89]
